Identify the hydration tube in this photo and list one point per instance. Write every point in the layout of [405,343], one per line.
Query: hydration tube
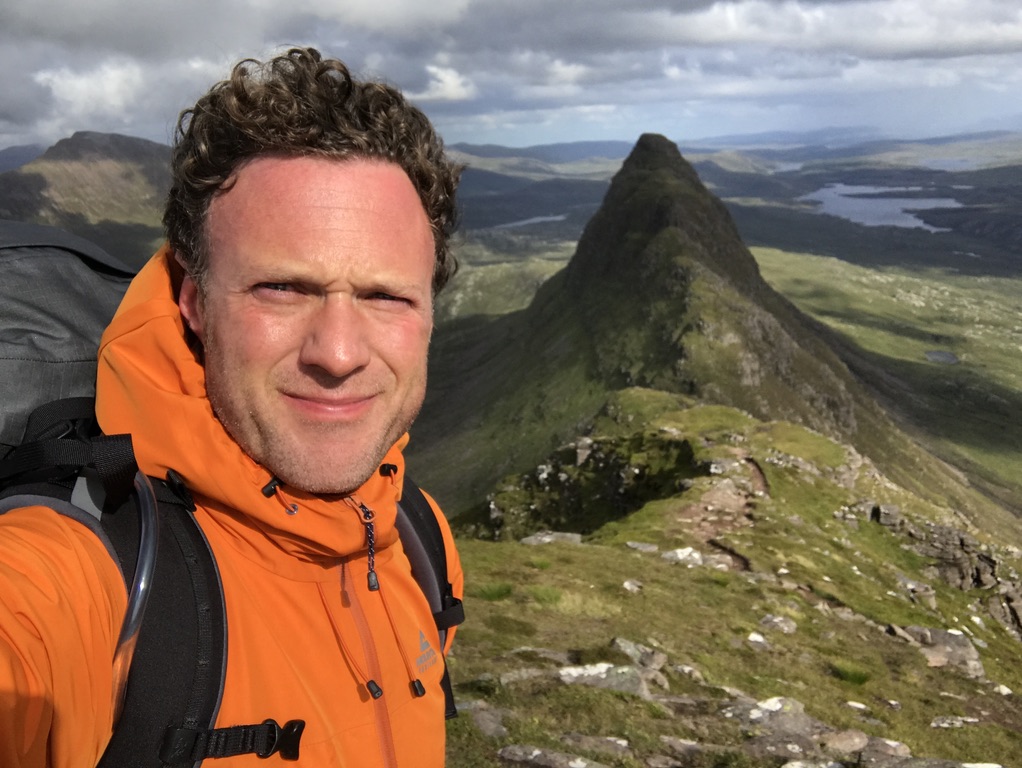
[138,595]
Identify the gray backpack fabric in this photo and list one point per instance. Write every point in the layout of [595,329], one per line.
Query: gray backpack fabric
[57,294]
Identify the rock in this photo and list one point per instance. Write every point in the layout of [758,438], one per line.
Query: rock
[689,672]
[920,592]
[626,679]
[901,634]
[685,556]
[488,720]
[960,560]
[781,718]
[681,747]
[952,721]
[583,448]
[758,642]
[663,761]
[607,745]
[520,675]
[640,654]
[549,537]
[691,706]
[878,748]
[887,515]
[718,562]
[781,623]
[521,754]
[844,742]
[642,546]
[943,647]
[786,746]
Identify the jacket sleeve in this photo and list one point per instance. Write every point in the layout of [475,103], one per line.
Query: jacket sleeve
[62,600]
[454,573]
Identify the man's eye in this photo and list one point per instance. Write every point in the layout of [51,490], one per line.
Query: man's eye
[384,296]
[275,286]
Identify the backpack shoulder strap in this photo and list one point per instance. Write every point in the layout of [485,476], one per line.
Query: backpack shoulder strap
[177,675]
[423,543]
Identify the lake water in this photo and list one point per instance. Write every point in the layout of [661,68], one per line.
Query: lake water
[533,220]
[852,202]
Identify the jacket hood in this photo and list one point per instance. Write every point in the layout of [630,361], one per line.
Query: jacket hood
[151,384]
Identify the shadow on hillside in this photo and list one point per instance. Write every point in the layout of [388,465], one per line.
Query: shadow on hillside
[133,244]
[23,196]
[910,248]
[904,330]
[941,402]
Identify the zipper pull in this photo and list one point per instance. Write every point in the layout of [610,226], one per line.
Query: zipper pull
[367,516]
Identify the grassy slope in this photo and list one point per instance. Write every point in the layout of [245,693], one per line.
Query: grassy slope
[890,318]
[839,577]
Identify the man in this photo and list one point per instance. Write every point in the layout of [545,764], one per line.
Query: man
[273,354]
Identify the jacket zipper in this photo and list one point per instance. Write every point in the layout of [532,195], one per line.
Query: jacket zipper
[381,710]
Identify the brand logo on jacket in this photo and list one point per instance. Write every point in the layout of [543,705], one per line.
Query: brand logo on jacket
[427,656]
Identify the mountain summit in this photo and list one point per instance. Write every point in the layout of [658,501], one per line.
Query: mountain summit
[655,191]
[673,300]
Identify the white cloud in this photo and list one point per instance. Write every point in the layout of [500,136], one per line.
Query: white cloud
[445,84]
[112,87]
[706,66]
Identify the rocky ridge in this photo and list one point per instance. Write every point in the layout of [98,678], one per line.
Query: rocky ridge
[728,496]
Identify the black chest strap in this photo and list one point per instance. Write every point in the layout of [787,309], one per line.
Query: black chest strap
[185,745]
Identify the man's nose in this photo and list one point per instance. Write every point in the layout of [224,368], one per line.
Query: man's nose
[336,337]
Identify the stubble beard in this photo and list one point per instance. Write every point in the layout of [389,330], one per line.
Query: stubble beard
[284,455]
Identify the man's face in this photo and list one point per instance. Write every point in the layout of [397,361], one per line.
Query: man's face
[316,315]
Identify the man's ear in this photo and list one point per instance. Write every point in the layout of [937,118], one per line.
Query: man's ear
[190,304]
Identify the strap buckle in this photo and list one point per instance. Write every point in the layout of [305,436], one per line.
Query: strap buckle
[285,740]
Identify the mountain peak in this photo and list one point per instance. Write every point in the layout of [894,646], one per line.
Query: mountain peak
[90,145]
[657,194]
[670,299]
[655,152]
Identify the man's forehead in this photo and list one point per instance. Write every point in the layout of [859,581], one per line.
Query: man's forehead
[312,210]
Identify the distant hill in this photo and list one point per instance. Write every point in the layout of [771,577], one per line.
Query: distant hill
[15,157]
[551,153]
[105,187]
[832,137]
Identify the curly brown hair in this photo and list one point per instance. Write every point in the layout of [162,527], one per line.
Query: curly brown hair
[302,104]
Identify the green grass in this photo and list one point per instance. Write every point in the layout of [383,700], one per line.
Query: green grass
[968,412]
[493,592]
[570,599]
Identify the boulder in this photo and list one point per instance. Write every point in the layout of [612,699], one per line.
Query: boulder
[522,754]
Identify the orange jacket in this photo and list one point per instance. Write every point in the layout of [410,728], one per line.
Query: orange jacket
[304,632]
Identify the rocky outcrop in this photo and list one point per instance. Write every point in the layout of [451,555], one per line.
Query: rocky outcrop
[775,731]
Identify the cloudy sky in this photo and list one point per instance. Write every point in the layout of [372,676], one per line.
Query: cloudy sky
[522,72]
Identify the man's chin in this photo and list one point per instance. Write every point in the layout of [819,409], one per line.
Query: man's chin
[328,481]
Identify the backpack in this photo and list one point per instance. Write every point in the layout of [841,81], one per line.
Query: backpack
[171,655]
[59,291]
